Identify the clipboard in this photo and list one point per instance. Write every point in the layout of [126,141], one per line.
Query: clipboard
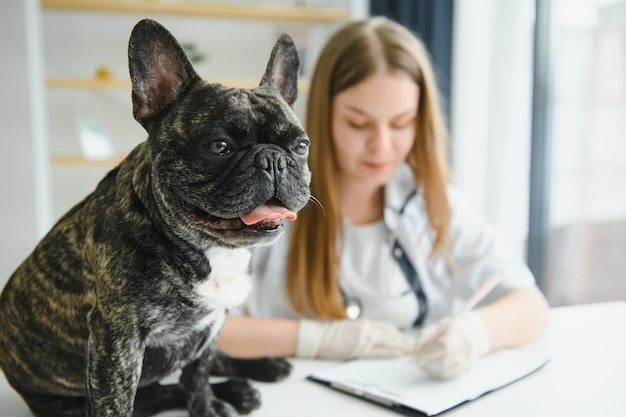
[399,385]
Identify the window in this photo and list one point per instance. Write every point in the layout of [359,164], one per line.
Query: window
[585,202]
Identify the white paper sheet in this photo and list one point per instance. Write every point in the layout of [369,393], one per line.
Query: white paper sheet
[399,381]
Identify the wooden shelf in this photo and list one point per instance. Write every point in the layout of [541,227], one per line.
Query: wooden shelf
[79,160]
[259,12]
[256,12]
[88,83]
[121,83]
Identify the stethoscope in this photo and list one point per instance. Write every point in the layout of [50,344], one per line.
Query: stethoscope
[354,307]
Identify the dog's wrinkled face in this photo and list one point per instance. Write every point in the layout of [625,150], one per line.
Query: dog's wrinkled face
[233,170]
[229,164]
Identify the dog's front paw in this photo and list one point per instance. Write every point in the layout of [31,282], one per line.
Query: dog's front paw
[266,369]
[275,369]
[207,406]
[239,393]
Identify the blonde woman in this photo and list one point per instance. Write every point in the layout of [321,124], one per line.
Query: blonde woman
[395,246]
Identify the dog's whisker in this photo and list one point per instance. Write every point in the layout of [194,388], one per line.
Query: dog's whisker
[319,203]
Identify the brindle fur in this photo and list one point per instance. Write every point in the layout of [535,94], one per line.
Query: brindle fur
[107,305]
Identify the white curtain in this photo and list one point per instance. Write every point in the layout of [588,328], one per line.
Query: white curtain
[491,97]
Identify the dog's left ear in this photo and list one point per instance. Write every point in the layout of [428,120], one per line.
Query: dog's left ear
[160,71]
[282,69]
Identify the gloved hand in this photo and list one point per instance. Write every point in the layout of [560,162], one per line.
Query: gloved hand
[450,347]
[347,339]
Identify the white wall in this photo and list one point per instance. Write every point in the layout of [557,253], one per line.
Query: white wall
[491,111]
[36,121]
[20,124]
[491,97]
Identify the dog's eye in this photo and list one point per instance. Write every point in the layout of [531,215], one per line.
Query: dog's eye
[219,147]
[302,147]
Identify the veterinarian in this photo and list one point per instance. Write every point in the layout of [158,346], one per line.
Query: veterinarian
[395,247]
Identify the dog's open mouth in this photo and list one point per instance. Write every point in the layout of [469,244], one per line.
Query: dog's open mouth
[266,217]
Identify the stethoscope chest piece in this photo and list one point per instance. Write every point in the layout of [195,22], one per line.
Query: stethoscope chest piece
[353,308]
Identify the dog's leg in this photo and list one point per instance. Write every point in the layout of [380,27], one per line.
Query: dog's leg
[201,401]
[155,398]
[114,360]
[265,369]
[239,393]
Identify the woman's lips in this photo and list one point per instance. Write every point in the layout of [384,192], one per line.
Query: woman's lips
[377,166]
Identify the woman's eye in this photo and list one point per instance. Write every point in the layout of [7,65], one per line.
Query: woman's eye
[218,147]
[357,125]
[302,147]
[403,124]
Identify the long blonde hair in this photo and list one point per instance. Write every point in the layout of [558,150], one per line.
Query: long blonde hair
[353,53]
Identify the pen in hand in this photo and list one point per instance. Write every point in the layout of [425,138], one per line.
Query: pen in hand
[471,302]
[480,293]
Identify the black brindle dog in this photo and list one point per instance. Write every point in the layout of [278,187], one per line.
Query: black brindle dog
[134,282]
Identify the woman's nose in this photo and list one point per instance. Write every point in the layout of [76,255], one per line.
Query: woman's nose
[380,138]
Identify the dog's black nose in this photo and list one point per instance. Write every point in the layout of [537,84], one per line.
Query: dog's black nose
[271,160]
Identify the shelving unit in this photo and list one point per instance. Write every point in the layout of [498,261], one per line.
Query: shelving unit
[208,10]
[77,92]
[121,83]
[213,10]
[77,160]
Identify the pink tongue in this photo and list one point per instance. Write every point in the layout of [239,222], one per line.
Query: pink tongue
[268,212]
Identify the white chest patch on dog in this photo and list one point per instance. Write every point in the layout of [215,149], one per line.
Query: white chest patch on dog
[229,282]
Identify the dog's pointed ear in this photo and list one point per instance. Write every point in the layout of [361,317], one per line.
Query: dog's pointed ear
[160,71]
[282,69]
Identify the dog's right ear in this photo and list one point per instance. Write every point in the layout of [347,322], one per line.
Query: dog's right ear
[281,72]
[160,71]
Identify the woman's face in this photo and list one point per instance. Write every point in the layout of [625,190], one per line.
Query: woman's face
[373,127]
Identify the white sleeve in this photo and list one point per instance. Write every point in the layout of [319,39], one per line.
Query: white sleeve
[475,251]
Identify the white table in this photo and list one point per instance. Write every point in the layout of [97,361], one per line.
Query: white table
[586,377]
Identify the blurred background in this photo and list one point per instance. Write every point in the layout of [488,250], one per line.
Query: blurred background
[535,94]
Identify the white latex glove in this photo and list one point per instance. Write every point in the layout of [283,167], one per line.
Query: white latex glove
[347,339]
[451,347]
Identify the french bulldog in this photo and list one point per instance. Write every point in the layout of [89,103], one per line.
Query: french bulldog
[134,283]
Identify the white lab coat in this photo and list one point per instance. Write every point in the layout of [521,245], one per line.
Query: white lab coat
[474,251]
